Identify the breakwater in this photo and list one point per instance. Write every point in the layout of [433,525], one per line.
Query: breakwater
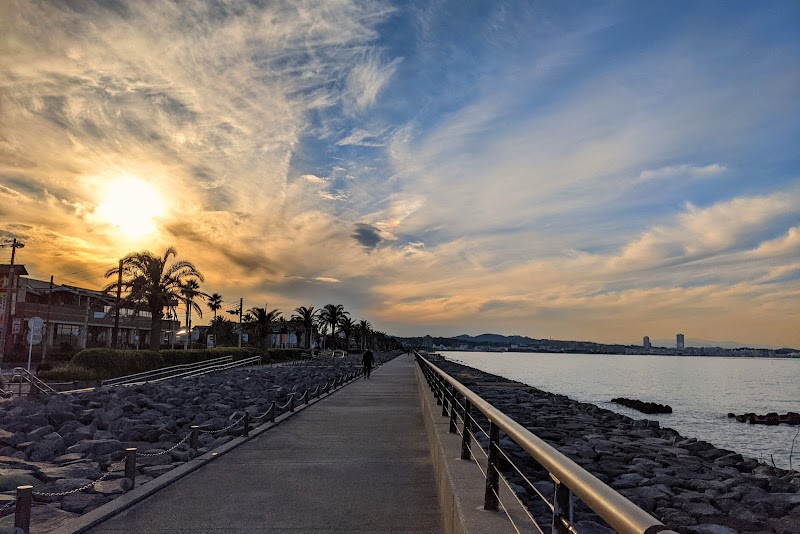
[63,442]
[690,485]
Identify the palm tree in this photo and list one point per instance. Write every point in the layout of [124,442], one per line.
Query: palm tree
[189,292]
[214,303]
[346,327]
[223,330]
[149,280]
[259,322]
[333,313]
[321,324]
[306,316]
[363,330]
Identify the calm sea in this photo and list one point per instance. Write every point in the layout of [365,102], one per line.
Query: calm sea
[701,391]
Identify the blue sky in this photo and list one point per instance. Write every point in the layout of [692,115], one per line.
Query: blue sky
[592,171]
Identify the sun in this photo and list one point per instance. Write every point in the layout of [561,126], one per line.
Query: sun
[132,205]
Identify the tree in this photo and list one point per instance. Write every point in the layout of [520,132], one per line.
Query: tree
[362,332]
[307,317]
[223,330]
[346,327]
[214,303]
[332,314]
[259,322]
[190,290]
[149,280]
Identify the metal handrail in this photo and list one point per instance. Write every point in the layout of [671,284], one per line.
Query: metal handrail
[218,367]
[32,379]
[146,375]
[620,513]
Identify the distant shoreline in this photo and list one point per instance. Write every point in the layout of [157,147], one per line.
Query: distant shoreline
[701,355]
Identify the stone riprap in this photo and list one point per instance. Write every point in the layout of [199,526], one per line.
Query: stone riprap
[689,485]
[61,442]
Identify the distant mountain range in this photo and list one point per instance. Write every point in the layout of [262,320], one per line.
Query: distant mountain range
[690,342]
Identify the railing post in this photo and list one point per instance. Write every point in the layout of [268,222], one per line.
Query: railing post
[466,440]
[445,398]
[246,426]
[453,429]
[130,465]
[22,511]
[438,390]
[194,440]
[492,474]
[562,510]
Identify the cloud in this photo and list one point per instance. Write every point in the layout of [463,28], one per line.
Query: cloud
[367,236]
[672,171]
[366,80]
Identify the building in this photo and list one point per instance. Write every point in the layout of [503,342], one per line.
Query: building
[646,342]
[427,342]
[75,318]
[679,342]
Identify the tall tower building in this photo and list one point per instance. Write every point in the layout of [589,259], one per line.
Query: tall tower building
[646,342]
[679,341]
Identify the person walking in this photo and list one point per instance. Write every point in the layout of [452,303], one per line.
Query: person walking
[368,361]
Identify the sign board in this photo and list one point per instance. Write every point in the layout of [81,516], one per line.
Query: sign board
[35,324]
[210,341]
[16,326]
[33,338]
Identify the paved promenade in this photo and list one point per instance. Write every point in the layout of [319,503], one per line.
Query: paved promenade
[357,461]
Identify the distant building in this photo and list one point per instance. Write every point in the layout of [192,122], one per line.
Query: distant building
[427,342]
[646,342]
[679,342]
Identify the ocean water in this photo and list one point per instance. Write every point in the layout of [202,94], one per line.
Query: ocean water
[701,391]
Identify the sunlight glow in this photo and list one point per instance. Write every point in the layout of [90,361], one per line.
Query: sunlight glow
[132,205]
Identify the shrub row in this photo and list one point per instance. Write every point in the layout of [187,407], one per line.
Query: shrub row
[103,363]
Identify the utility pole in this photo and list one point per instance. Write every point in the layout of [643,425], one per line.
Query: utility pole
[14,244]
[115,332]
[46,337]
[241,306]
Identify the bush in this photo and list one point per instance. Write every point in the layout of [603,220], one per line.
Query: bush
[111,363]
[282,355]
[67,373]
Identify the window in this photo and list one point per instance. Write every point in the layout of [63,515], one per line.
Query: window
[67,333]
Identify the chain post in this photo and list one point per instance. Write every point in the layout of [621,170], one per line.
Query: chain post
[194,441]
[130,465]
[246,426]
[306,395]
[291,402]
[492,474]
[466,441]
[22,511]
[562,511]
[272,413]
[453,428]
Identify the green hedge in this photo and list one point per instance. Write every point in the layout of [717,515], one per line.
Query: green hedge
[109,363]
[68,373]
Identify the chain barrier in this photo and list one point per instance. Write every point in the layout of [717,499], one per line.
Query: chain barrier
[223,429]
[7,506]
[87,486]
[153,454]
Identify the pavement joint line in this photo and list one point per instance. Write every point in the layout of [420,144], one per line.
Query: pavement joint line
[123,502]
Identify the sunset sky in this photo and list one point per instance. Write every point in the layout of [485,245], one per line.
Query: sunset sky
[574,170]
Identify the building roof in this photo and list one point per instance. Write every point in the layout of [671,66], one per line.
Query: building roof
[41,287]
[19,269]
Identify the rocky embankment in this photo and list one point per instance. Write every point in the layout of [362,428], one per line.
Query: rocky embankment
[690,485]
[62,442]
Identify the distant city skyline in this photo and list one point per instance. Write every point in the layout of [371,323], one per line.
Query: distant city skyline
[596,171]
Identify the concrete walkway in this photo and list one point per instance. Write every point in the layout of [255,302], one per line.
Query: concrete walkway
[357,461]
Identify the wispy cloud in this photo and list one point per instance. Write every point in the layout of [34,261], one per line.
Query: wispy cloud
[671,171]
